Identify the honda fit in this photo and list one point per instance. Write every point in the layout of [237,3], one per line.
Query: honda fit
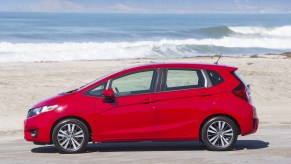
[154,102]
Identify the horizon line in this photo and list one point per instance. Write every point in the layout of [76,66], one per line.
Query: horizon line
[82,12]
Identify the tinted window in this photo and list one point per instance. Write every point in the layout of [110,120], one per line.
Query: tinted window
[184,79]
[135,83]
[97,91]
[214,77]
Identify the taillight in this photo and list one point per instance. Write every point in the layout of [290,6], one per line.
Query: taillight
[241,92]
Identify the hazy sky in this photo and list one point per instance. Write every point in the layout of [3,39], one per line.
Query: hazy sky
[149,6]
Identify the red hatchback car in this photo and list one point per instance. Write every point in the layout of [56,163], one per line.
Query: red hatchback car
[153,102]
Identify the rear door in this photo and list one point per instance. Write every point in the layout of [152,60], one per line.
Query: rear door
[183,96]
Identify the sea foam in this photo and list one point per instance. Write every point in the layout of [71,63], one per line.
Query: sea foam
[234,39]
[283,31]
[30,52]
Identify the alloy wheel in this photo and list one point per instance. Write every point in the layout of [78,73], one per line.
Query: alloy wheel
[220,134]
[70,137]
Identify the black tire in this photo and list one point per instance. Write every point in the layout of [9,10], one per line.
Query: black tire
[68,133]
[215,137]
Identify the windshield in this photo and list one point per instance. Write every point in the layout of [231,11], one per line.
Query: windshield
[92,82]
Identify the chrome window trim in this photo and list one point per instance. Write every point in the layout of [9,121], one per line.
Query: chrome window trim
[205,79]
[107,85]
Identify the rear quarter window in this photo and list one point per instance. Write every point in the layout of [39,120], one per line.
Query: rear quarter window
[214,77]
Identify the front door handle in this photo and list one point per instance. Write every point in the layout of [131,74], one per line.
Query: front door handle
[206,94]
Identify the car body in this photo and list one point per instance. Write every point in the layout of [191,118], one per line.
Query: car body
[151,102]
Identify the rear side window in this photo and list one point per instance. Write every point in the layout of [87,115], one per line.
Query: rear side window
[214,77]
[178,79]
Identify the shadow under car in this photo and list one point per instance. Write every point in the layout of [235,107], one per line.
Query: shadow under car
[155,146]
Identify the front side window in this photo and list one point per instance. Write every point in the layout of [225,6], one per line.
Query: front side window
[97,91]
[136,83]
[178,79]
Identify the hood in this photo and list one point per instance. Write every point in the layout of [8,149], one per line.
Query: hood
[55,100]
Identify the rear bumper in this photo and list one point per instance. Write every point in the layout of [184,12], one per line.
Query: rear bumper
[255,125]
[254,122]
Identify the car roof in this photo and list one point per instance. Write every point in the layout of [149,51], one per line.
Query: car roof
[183,65]
[162,65]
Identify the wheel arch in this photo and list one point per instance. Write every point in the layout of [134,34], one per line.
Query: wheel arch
[215,115]
[71,117]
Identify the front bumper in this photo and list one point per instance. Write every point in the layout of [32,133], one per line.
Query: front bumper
[37,129]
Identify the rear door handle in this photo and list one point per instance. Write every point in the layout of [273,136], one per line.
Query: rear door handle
[147,101]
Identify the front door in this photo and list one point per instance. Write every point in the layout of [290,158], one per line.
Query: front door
[131,116]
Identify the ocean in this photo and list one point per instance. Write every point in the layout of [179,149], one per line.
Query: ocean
[29,37]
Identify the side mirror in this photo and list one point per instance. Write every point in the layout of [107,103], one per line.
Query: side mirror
[108,96]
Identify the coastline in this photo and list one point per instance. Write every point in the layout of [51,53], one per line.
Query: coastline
[24,84]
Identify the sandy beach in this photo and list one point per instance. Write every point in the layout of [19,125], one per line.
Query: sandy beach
[24,84]
[48,47]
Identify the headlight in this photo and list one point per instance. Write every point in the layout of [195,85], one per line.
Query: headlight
[36,111]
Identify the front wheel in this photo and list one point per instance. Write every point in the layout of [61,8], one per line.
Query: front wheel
[70,136]
[219,133]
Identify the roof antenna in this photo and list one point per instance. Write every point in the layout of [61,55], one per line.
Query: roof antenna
[218,59]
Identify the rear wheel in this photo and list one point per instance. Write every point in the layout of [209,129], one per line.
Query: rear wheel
[219,133]
[70,136]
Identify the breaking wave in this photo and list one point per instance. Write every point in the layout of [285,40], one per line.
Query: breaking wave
[30,52]
[223,39]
